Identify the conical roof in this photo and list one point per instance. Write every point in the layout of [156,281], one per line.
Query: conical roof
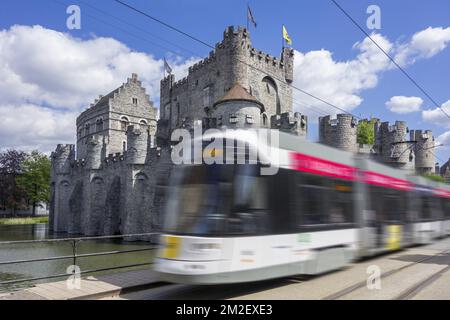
[238,93]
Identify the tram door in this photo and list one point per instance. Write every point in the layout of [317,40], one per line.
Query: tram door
[388,223]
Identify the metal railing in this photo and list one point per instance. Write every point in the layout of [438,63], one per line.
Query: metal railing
[75,255]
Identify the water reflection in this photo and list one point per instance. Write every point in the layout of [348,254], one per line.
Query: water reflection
[42,250]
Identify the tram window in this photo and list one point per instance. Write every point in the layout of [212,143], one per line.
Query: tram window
[387,204]
[341,202]
[426,207]
[281,202]
[313,192]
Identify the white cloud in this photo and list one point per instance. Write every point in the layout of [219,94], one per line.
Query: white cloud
[423,44]
[339,82]
[48,77]
[342,82]
[403,105]
[436,116]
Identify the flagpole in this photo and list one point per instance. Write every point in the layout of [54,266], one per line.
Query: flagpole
[246,14]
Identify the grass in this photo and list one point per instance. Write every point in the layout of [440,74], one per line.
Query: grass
[27,220]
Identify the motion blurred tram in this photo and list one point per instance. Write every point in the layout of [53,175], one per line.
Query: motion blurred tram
[324,208]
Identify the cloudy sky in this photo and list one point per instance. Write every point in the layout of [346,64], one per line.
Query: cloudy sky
[48,73]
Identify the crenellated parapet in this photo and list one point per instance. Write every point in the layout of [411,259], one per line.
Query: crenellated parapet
[424,150]
[62,158]
[137,145]
[294,123]
[392,146]
[340,133]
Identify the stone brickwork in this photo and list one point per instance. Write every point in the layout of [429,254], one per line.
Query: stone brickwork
[233,61]
[392,147]
[340,132]
[118,179]
[424,151]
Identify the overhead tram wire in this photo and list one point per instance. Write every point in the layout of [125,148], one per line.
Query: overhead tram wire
[241,61]
[138,28]
[162,48]
[390,58]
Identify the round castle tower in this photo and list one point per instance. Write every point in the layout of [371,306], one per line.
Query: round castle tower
[238,109]
[340,133]
[424,148]
[137,143]
[94,145]
[62,158]
[392,146]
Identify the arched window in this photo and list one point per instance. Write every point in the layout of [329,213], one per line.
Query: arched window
[99,123]
[124,123]
[86,128]
[124,146]
[270,96]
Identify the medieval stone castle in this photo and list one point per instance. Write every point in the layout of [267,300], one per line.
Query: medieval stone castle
[115,180]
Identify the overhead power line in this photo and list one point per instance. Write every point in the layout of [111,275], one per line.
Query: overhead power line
[178,30]
[390,58]
[138,37]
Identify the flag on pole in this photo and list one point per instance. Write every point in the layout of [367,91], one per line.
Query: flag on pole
[250,16]
[286,36]
[167,68]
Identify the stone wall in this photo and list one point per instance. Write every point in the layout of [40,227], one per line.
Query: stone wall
[339,133]
[424,151]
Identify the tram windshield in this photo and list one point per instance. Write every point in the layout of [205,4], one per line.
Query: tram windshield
[217,199]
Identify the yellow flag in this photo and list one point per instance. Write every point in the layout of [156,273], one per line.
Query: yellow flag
[286,36]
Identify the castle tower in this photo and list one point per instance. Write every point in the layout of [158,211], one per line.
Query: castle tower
[233,61]
[62,158]
[60,186]
[137,139]
[237,109]
[94,148]
[391,145]
[340,133]
[424,151]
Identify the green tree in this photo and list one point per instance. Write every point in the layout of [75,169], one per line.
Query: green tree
[365,132]
[35,178]
[11,195]
[434,177]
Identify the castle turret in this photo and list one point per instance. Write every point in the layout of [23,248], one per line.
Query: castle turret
[288,62]
[424,151]
[236,44]
[237,109]
[392,146]
[137,140]
[62,158]
[340,133]
[94,146]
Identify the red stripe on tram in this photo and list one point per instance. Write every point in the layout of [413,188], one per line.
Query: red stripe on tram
[309,164]
[386,181]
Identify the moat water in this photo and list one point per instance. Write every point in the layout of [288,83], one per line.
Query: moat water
[9,252]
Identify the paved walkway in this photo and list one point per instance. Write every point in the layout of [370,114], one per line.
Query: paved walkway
[90,288]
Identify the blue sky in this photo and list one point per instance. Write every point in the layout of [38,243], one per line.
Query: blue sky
[313,26]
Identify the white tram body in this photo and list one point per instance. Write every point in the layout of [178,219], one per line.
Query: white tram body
[323,209]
